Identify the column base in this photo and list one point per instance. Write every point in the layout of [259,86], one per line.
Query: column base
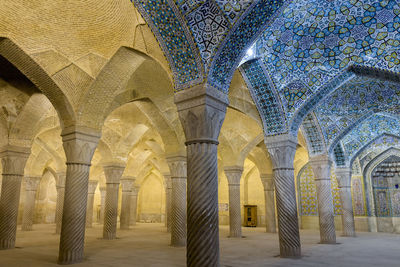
[348,235]
[124,228]
[290,252]
[26,228]
[70,257]
[7,244]
[178,244]
[109,236]
[328,243]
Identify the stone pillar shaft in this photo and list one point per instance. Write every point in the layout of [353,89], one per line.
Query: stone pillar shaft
[233,175]
[127,185]
[321,166]
[269,195]
[344,180]
[202,111]
[178,168]
[90,202]
[79,146]
[31,185]
[168,193]
[282,150]
[102,203]
[60,186]
[113,175]
[13,162]
[133,205]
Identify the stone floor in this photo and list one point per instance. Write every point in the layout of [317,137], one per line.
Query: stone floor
[147,245]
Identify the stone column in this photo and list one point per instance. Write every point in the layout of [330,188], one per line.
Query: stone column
[102,202]
[202,111]
[79,145]
[343,176]
[113,175]
[127,184]
[178,169]
[234,174]
[269,194]
[133,206]
[321,166]
[60,186]
[282,149]
[13,161]
[168,192]
[90,202]
[31,185]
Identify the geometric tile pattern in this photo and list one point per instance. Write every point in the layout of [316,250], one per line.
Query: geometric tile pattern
[353,101]
[246,29]
[331,35]
[192,31]
[315,141]
[308,195]
[264,95]
[175,41]
[357,191]
[368,130]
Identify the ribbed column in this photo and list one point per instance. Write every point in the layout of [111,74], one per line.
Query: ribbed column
[126,184]
[60,186]
[79,146]
[31,185]
[269,195]
[13,161]
[178,168]
[168,192]
[113,175]
[133,206]
[343,176]
[202,112]
[282,149]
[90,201]
[233,175]
[102,203]
[321,166]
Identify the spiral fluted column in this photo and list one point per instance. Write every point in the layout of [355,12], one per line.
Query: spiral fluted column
[31,185]
[269,195]
[233,174]
[90,201]
[202,111]
[282,149]
[133,205]
[343,176]
[79,145]
[178,169]
[102,203]
[13,161]
[126,184]
[60,186]
[168,192]
[321,166]
[113,175]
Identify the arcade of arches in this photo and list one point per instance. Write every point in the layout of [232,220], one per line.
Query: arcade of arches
[147,132]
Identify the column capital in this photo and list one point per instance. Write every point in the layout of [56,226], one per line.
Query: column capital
[102,189]
[113,172]
[201,111]
[177,166]
[79,144]
[268,181]
[32,183]
[281,149]
[343,176]
[135,190]
[233,174]
[321,165]
[127,184]
[92,186]
[13,159]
